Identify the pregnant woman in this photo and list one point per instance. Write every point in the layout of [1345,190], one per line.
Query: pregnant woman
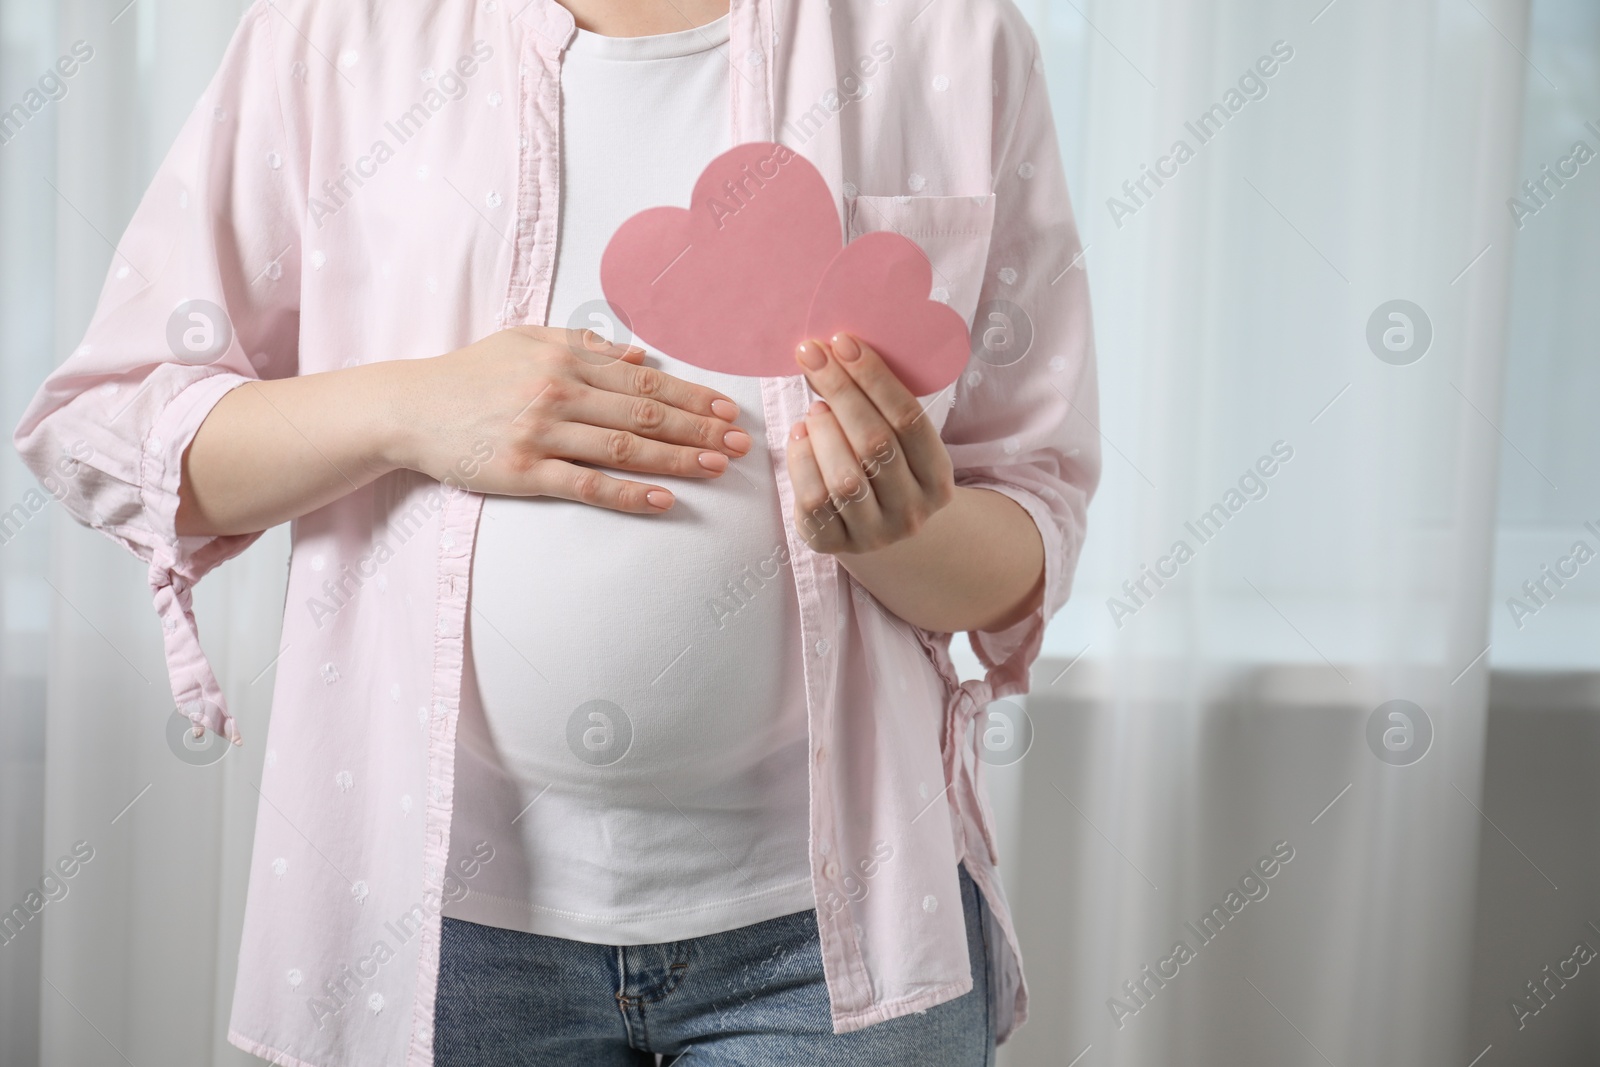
[614,717]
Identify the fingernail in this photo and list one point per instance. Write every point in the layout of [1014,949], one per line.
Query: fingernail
[811,356]
[845,347]
[818,408]
[737,440]
[659,498]
[726,410]
[715,462]
[798,433]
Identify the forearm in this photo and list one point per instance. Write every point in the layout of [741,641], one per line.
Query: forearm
[272,451]
[977,564]
[526,411]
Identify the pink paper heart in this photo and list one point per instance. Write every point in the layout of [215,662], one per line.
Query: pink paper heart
[877,289]
[756,265]
[727,284]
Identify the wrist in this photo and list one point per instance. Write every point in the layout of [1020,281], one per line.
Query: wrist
[396,415]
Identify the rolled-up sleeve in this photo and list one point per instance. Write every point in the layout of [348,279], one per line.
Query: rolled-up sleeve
[202,296]
[1027,427]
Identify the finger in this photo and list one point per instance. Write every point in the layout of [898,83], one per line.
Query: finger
[869,433]
[585,485]
[815,517]
[842,474]
[654,419]
[918,438]
[625,451]
[653,382]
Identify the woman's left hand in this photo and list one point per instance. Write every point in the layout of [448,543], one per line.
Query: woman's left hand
[866,462]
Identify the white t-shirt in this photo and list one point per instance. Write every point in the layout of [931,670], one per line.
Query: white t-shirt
[639,762]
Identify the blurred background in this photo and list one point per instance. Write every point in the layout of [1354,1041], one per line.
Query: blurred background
[1372,274]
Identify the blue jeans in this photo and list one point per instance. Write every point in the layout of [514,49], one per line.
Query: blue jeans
[750,997]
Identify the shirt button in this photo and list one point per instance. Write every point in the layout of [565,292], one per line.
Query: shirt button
[822,646]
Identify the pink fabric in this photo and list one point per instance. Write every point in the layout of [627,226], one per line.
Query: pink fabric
[365,182]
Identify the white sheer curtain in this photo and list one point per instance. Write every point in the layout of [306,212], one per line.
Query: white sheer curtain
[1227,708]
[135,962]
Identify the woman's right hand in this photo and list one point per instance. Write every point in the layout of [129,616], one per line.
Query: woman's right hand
[516,413]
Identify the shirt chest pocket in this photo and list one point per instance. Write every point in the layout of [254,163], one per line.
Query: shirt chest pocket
[953,230]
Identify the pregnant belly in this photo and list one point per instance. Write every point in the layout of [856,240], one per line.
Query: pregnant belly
[663,649]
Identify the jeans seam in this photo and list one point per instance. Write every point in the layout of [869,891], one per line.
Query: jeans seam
[625,1002]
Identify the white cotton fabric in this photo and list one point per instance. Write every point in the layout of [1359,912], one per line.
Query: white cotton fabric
[637,757]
